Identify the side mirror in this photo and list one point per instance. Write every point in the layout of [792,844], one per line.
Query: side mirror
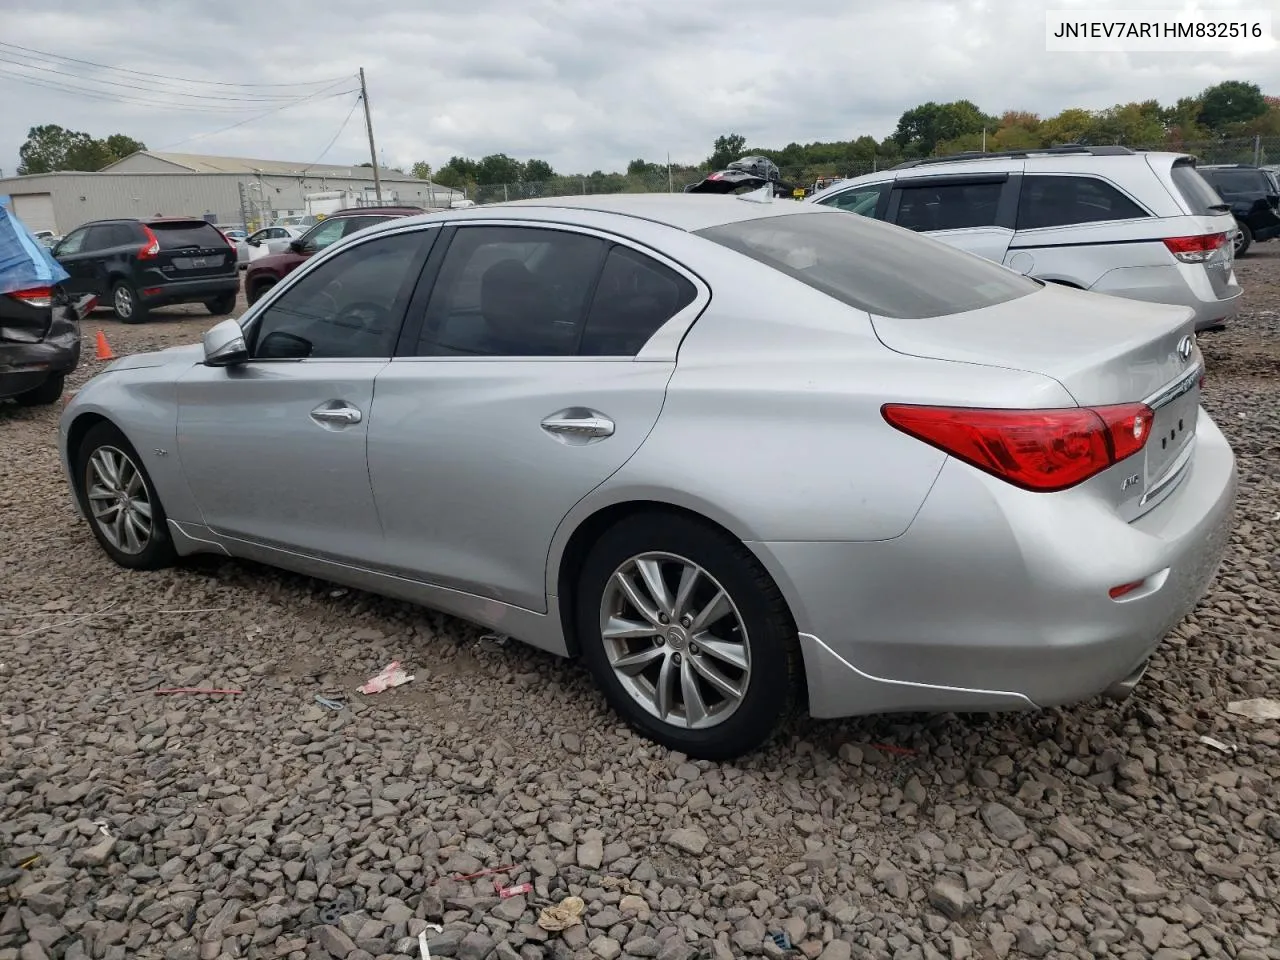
[296,246]
[224,345]
[280,345]
[252,242]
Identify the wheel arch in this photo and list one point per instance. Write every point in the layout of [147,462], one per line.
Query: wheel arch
[76,432]
[567,568]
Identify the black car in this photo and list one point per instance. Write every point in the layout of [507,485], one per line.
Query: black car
[39,342]
[1254,197]
[135,265]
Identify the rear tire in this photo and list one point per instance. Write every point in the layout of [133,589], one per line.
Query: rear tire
[120,501]
[43,395]
[1243,240]
[259,290]
[125,303]
[740,688]
[223,304]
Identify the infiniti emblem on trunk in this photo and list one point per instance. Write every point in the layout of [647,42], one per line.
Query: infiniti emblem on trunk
[1185,346]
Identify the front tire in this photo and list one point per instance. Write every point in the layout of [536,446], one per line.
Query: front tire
[125,303]
[220,305]
[124,512]
[687,635]
[1243,240]
[259,290]
[43,395]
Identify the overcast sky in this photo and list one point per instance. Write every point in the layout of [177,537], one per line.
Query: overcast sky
[582,84]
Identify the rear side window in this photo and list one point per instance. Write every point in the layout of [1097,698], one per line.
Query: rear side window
[634,296]
[1199,196]
[186,234]
[873,266]
[952,206]
[1058,201]
[860,200]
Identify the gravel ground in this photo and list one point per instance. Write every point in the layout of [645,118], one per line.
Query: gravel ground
[266,825]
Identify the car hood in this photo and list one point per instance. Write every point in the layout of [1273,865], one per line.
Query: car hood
[278,261]
[183,356]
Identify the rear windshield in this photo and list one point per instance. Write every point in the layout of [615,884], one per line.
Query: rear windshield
[1236,181]
[873,266]
[176,235]
[1197,193]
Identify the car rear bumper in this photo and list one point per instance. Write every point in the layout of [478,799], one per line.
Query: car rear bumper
[190,291]
[25,366]
[997,598]
[1185,285]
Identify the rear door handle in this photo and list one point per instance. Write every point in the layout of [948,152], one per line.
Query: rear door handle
[336,412]
[585,427]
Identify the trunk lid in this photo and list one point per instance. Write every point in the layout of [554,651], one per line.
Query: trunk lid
[190,249]
[1104,350]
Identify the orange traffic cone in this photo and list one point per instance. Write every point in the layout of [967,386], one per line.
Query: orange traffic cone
[104,348]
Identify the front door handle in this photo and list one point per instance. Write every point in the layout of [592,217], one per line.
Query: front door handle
[584,427]
[341,414]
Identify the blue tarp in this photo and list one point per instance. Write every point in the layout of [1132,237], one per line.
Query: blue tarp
[25,262]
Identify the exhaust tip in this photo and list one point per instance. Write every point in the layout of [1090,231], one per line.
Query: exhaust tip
[1123,689]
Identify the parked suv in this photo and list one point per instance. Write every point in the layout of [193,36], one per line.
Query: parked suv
[135,265]
[1142,225]
[264,273]
[1254,197]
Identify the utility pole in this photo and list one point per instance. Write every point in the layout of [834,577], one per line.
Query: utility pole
[368,125]
[670,186]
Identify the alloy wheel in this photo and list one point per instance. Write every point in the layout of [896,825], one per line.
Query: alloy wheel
[675,640]
[123,301]
[118,499]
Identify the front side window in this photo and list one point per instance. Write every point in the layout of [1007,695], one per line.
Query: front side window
[73,242]
[860,200]
[948,206]
[350,306]
[324,234]
[872,266]
[511,292]
[1058,201]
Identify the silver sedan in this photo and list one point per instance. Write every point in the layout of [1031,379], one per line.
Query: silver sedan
[731,452]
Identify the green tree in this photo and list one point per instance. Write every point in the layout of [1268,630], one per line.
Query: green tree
[1233,101]
[422,170]
[537,171]
[50,148]
[924,127]
[498,168]
[726,149]
[1070,126]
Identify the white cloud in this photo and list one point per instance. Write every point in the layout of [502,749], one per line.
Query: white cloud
[583,84]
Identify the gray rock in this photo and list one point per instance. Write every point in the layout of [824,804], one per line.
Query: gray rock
[590,853]
[1003,822]
[94,855]
[691,840]
[836,950]
[475,946]
[606,948]
[334,941]
[949,898]
[1035,940]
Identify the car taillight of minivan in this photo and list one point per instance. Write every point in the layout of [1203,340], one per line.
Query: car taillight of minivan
[39,297]
[151,248]
[1196,249]
[1039,450]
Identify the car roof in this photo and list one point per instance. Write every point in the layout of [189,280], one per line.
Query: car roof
[375,211]
[683,211]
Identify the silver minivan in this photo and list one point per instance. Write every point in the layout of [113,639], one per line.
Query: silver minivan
[1136,224]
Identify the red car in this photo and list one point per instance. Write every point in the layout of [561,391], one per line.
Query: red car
[264,273]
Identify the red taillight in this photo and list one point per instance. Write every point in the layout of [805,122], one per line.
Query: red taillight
[1196,249]
[151,248]
[1039,450]
[1124,589]
[34,296]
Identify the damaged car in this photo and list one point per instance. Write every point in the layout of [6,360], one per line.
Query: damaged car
[39,319]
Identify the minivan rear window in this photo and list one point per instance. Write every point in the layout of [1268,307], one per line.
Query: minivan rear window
[1197,193]
[873,266]
[181,234]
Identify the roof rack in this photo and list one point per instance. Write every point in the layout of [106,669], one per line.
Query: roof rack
[1106,150]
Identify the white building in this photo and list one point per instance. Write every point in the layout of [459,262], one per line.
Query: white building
[228,190]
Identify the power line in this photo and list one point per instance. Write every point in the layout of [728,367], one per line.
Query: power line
[322,95]
[269,98]
[113,97]
[161,76]
[355,103]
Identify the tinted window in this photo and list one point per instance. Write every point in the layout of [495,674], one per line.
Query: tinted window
[124,234]
[99,238]
[949,206]
[634,297]
[187,234]
[330,231]
[1236,181]
[349,306]
[873,266]
[1058,201]
[73,242]
[1198,195]
[859,200]
[511,291]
